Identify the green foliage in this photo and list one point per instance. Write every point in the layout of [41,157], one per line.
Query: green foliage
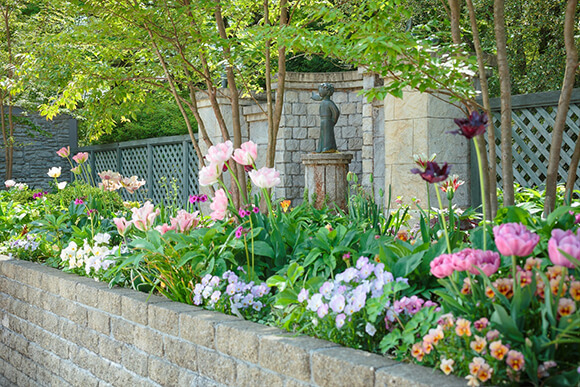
[109,201]
[154,120]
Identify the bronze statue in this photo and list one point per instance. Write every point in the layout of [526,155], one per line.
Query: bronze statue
[329,114]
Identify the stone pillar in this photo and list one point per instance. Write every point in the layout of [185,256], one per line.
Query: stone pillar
[326,177]
[418,123]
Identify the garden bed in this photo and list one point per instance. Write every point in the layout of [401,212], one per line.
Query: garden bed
[60,329]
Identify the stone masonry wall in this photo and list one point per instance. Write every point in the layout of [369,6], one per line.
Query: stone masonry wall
[35,153]
[63,330]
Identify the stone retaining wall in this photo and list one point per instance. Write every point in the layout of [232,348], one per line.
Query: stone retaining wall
[60,329]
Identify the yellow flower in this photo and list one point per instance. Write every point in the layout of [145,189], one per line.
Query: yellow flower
[462,327]
[417,351]
[515,360]
[447,366]
[498,350]
[575,290]
[285,204]
[566,307]
[484,373]
[478,344]
[475,365]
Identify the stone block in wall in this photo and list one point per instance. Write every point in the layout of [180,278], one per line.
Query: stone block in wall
[123,330]
[299,133]
[410,375]
[308,121]
[99,321]
[199,327]
[110,349]
[367,153]
[291,96]
[292,145]
[354,143]
[241,339]
[339,97]
[134,305]
[399,142]
[367,109]
[313,109]
[314,133]
[163,372]
[135,360]
[349,132]
[180,352]
[149,340]
[345,366]
[216,366]
[247,375]
[355,120]
[289,356]
[163,316]
[298,109]
[308,145]
[449,148]
[348,108]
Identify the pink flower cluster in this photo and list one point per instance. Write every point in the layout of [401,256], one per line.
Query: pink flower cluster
[218,155]
[143,219]
[466,260]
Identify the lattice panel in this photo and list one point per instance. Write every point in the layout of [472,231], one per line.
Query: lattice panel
[134,163]
[531,139]
[104,161]
[167,173]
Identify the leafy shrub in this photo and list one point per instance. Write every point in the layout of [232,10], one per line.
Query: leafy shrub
[109,200]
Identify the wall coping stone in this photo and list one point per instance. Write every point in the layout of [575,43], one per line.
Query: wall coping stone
[178,341]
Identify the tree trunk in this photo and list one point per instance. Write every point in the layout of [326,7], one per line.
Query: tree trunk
[563,104]
[491,172]
[506,104]
[274,122]
[238,169]
[8,131]
[455,12]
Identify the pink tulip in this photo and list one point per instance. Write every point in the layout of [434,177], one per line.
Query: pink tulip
[566,241]
[462,260]
[487,261]
[184,221]
[144,217]
[219,205]
[122,224]
[164,228]
[9,183]
[209,175]
[265,177]
[247,153]
[220,153]
[81,157]
[442,266]
[63,152]
[515,239]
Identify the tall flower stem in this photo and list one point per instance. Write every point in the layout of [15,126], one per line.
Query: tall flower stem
[482,186]
[443,218]
[233,174]
[428,204]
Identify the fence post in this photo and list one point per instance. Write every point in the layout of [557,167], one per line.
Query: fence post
[118,158]
[185,172]
[150,169]
[92,164]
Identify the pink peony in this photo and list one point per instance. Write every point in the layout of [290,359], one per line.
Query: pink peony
[219,205]
[63,152]
[567,242]
[209,175]
[247,153]
[184,221]
[487,261]
[121,223]
[144,217]
[219,154]
[265,177]
[81,157]
[442,266]
[515,239]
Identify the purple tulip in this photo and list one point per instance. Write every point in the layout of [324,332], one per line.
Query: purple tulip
[566,241]
[433,173]
[472,126]
[515,239]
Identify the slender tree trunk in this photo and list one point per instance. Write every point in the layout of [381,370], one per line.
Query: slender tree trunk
[563,104]
[506,104]
[274,122]
[491,179]
[455,12]
[235,101]
[8,132]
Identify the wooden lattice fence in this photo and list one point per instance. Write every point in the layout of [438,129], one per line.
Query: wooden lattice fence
[533,117]
[168,164]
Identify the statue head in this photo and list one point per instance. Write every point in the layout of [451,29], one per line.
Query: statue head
[325,89]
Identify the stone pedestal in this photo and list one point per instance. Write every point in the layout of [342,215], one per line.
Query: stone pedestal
[325,177]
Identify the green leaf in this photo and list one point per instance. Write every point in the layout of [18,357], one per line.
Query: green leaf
[505,324]
[262,248]
[406,265]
